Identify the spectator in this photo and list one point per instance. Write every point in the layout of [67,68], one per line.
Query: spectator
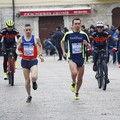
[111,44]
[91,30]
[112,30]
[66,42]
[48,45]
[116,37]
[57,37]
[86,51]
[84,29]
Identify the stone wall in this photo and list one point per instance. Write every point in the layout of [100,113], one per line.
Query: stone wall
[8,3]
[99,12]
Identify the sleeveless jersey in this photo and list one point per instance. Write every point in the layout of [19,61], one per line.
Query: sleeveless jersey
[76,48]
[29,48]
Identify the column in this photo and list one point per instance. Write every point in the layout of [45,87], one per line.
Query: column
[36,26]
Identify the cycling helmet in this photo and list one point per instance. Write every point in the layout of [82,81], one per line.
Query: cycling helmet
[99,24]
[10,23]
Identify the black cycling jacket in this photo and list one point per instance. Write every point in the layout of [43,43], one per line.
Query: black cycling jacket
[101,40]
[9,37]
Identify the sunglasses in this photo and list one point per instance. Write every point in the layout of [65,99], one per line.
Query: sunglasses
[99,26]
[10,26]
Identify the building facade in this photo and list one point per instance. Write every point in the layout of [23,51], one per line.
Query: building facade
[45,15]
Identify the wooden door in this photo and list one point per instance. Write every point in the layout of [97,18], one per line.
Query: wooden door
[116,17]
[48,24]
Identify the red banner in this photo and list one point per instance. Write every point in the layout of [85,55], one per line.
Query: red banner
[54,12]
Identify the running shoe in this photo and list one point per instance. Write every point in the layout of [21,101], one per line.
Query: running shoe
[77,97]
[72,87]
[34,85]
[90,56]
[5,76]
[29,99]
[86,62]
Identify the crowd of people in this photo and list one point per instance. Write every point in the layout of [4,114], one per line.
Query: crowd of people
[53,43]
[112,42]
[75,45]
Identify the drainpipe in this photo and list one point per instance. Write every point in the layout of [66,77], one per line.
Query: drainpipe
[13,6]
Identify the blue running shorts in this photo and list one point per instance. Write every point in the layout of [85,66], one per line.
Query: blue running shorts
[79,63]
[28,63]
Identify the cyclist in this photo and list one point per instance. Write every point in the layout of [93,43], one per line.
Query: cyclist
[27,48]
[99,38]
[77,40]
[8,37]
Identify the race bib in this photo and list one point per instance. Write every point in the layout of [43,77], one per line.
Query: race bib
[29,50]
[76,48]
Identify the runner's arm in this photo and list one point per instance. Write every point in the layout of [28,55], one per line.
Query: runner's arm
[86,42]
[39,46]
[19,46]
[63,46]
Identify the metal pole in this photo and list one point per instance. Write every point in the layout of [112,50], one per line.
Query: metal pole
[13,6]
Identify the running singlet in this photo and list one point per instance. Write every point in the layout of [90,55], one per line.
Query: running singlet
[75,44]
[29,49]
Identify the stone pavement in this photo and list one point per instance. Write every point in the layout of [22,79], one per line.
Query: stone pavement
[54,101]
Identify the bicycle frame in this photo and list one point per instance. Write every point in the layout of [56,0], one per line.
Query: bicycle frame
[10,56]
[101,74]
[11,65]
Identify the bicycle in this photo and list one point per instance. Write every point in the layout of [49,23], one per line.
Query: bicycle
[101,73]
[10,65]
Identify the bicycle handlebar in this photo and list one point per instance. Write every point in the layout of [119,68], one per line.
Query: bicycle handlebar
[100,51]
[8,50]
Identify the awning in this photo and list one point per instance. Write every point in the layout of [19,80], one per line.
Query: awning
[55,12]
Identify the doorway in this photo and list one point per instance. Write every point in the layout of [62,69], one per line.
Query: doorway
[48,24]
[116,17]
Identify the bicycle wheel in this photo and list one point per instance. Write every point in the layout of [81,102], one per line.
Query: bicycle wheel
[11,73]
[101,75]
[98,75]
[104,83]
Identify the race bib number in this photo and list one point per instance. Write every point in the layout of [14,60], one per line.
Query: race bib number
[29,50]
[76,48]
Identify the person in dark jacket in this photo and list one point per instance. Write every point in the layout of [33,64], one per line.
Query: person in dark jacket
[66,42]
[57,37]
[48,45]
[86,51]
